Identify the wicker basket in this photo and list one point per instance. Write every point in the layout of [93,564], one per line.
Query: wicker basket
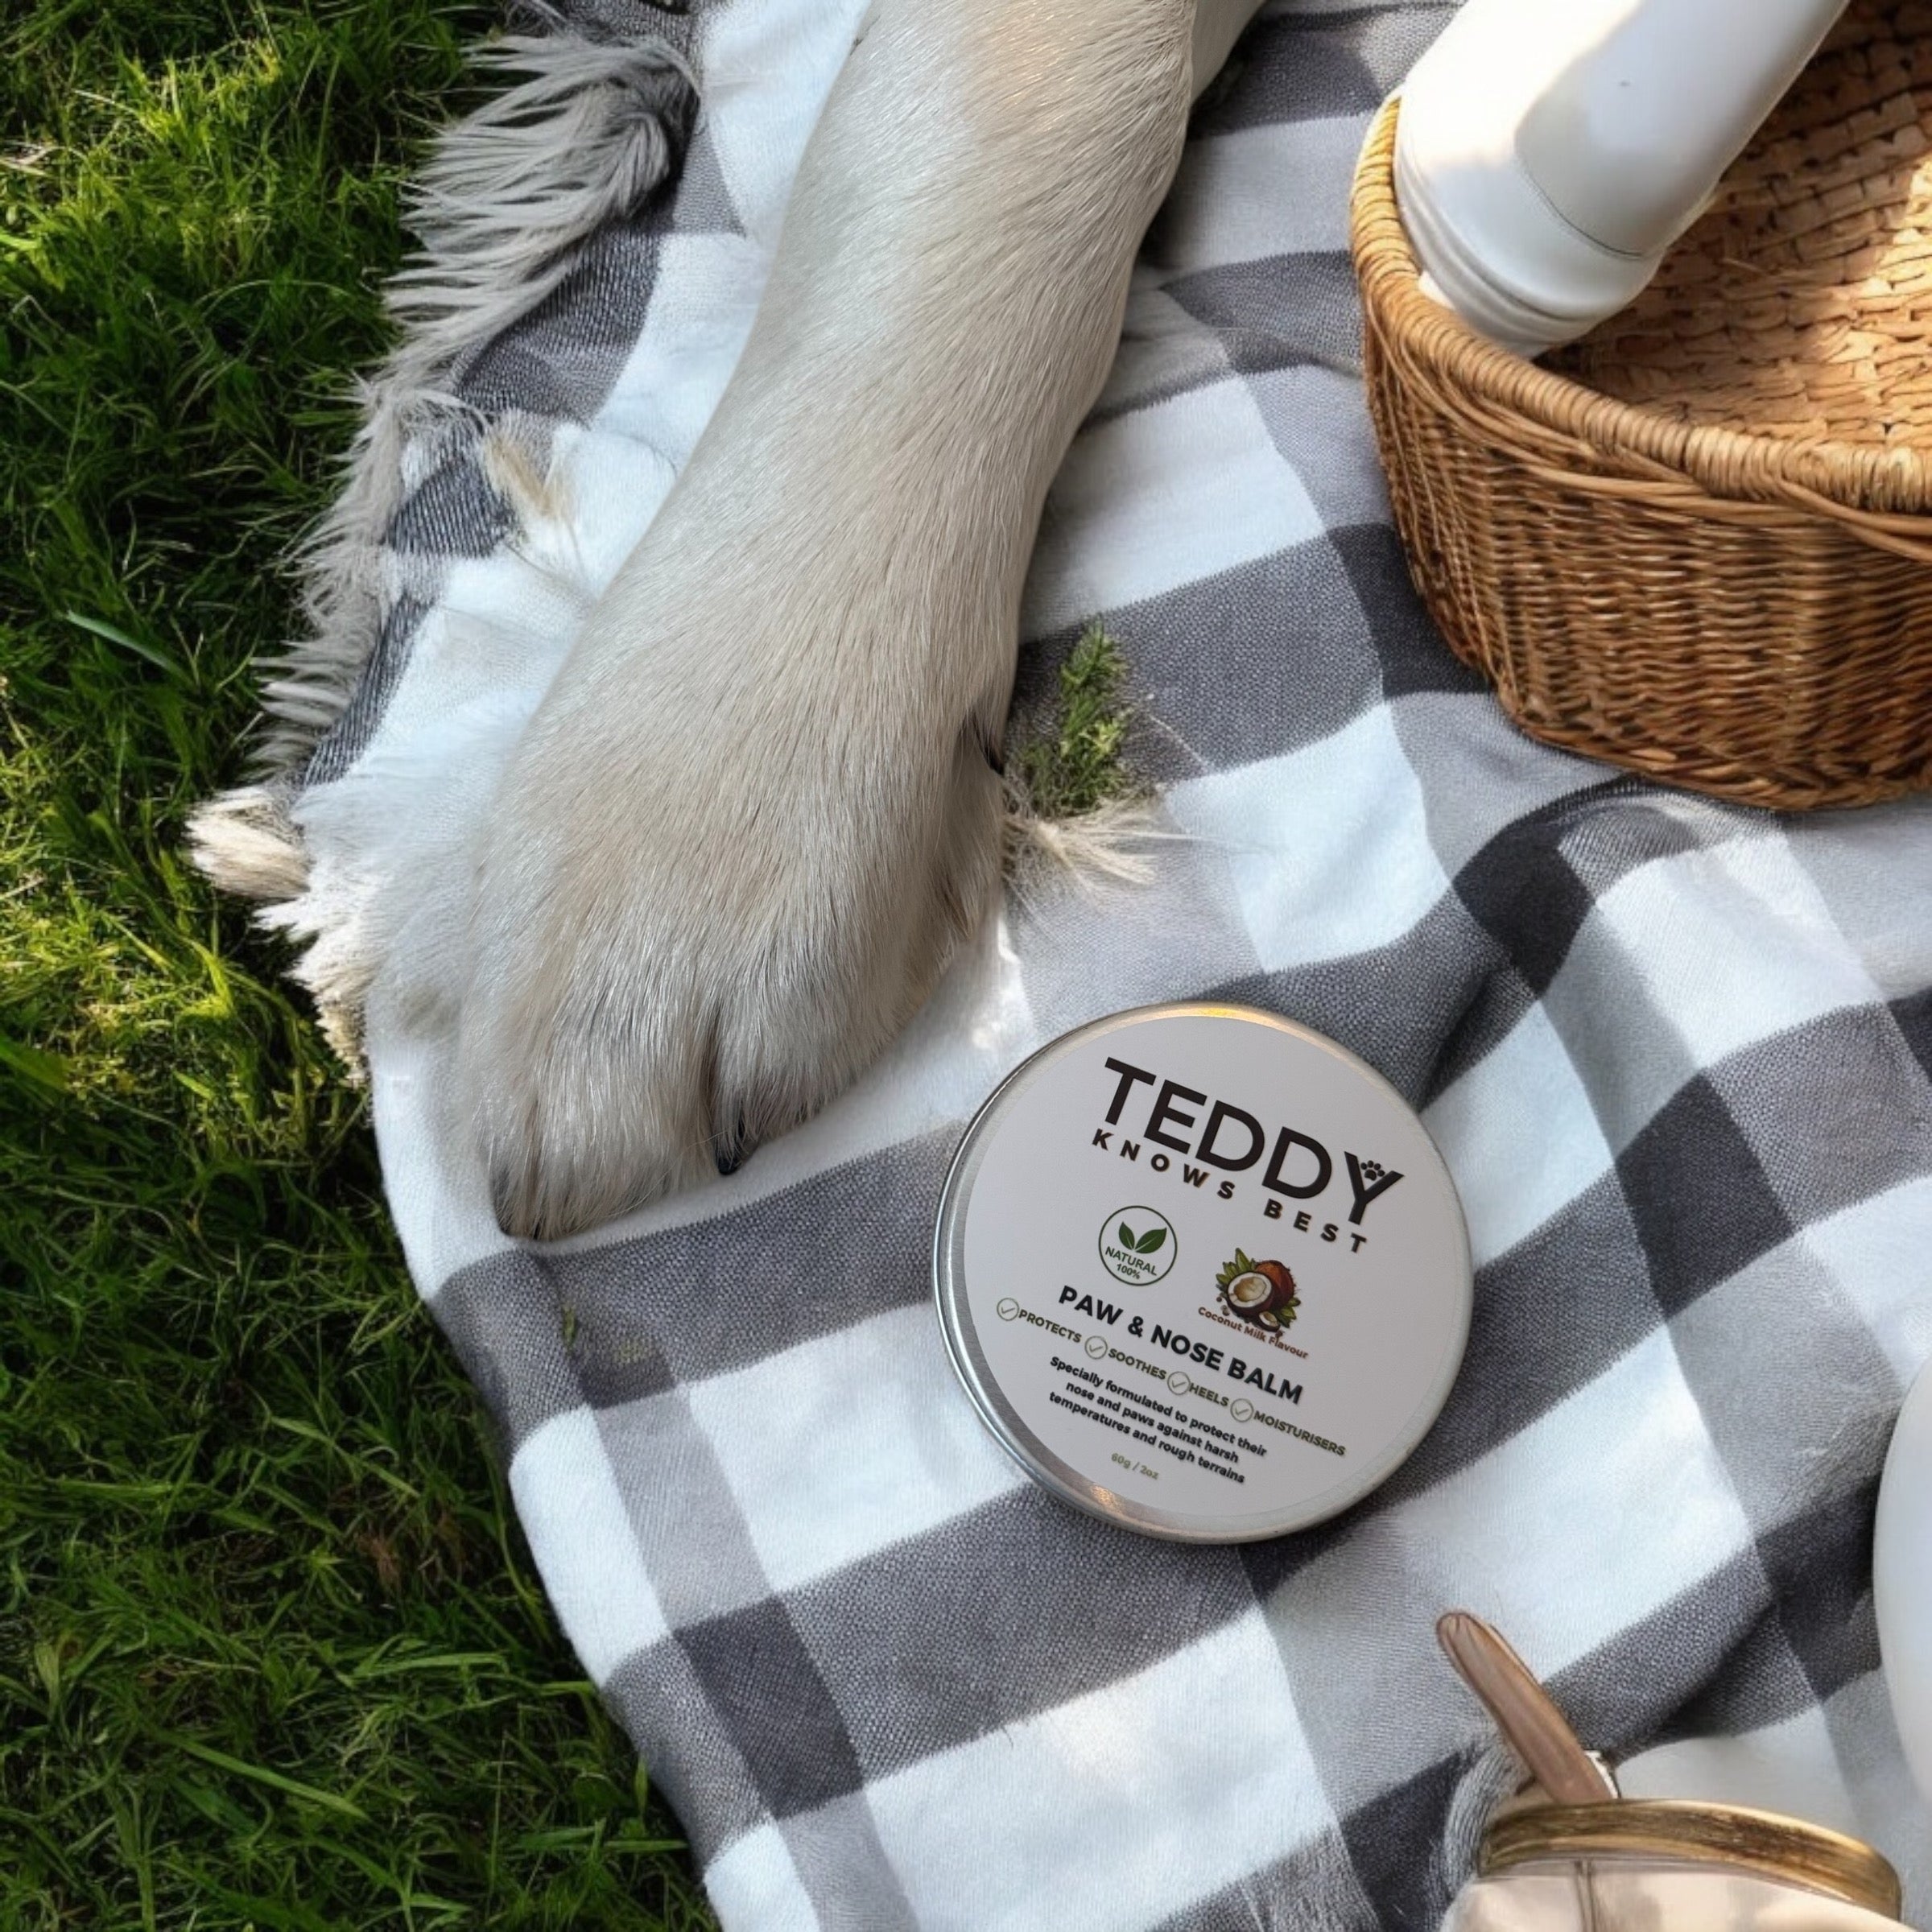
[1699,543]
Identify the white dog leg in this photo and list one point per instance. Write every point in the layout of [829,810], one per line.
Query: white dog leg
[757,810]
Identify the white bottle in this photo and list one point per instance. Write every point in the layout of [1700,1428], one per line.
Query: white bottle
[1548,152]
[1901,1578]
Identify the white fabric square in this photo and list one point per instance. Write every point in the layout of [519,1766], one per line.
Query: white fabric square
[439,1192]
[766,71]
[754,1886]
[838,1447]
[579,1534]
[609,487]
[1161,497]
[1876,1251]
[1620,1485]
[1133,1801]
[1874,868]
[1235,198]
[1328,847]
[499,631]
[1520,1136]
[1734,943]
[690,341]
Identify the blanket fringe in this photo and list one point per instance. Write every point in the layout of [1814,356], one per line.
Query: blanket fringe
[1105,846]
[501,210]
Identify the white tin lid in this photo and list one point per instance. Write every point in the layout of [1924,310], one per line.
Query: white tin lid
[1202,1273]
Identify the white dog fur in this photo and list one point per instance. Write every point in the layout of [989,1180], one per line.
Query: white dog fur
[758,809]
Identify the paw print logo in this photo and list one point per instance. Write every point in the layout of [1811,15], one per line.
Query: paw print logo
[1373,1171]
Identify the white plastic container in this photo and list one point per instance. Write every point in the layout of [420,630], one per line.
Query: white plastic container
[1202,1273]
[1901,1566]
[1548,152]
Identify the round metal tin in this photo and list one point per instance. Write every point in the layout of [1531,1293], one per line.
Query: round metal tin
[1202,1273]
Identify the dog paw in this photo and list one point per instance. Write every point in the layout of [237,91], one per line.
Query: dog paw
[756,811]
[728,863]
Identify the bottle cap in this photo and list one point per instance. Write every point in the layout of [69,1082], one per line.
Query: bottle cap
[1202,1273]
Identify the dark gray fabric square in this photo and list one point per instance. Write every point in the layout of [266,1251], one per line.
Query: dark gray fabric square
[1242,303]
[704,204]
[1392,1845]
[1819,1566]
[1396,1006]
[455,511]
[1838,1109]
[774,1706]
[687,1746]
[1698,1196]
[503,1318]
[1284,68]
[1414,655]
[651,1308]
[1523,890]
[1551,1315]
[1759,1682]
[1497,1007]
[1272,1565]
[1913,1016]
[1020,1606]
[562,358]
[1621,1696]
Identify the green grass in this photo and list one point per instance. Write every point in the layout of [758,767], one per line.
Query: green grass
[1069,754]
[271,1652]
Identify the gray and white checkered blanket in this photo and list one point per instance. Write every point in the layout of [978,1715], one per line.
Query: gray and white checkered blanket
[1677,1056]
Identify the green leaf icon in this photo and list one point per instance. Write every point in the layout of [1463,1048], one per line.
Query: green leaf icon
[1127,1239]
[1150,1240]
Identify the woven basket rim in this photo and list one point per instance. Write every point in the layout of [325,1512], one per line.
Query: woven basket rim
[1885,492]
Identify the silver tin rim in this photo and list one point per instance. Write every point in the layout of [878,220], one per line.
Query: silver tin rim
[1003,1421]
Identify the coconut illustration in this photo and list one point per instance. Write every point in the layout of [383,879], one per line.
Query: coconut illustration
[1250,1293]
[1260,1293]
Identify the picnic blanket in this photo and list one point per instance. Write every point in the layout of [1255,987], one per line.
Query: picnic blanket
[1676,1055]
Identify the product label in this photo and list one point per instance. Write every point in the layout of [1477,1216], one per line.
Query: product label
[1215,1266]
